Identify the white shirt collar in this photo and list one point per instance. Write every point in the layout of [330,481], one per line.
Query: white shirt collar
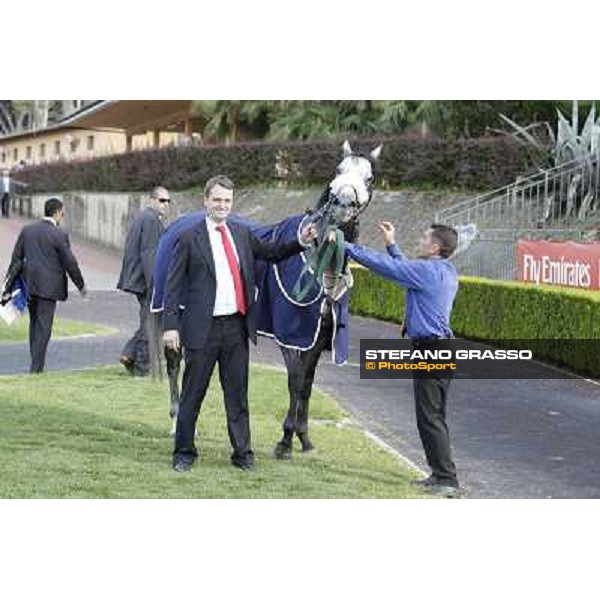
[51,220]
[211,224]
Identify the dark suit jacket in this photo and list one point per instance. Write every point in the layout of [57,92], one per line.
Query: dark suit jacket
[45,253]
[192,282]
[141,242]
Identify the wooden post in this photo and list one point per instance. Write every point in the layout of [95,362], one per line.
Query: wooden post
[128,142]
[156,142]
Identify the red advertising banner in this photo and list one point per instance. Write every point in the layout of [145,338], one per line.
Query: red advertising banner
[571,264]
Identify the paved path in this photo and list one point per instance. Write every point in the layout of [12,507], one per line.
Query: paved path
[512,439]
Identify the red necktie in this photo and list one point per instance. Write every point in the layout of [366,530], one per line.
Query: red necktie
[240,298]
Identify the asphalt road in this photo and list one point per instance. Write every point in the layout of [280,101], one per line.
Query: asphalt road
[512,438]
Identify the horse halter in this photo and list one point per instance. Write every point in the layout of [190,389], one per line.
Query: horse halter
[349,195]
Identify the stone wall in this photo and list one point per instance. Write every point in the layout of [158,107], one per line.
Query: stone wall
[103,217]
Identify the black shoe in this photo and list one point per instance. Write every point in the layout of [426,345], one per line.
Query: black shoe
[429,481]
[446,491]
[182,466]
[127,363]
[245,463]
[282,451]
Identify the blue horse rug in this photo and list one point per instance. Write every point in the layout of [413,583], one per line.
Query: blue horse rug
[291,323]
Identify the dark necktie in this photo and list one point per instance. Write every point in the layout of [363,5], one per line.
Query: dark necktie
[240,298]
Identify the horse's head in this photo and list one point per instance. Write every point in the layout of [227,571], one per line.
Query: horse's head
[349,193]
[336,214]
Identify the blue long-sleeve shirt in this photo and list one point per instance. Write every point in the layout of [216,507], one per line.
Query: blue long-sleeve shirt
[431,286]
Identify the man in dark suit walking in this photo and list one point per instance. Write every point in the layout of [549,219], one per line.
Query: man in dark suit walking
[212,276]
[42,255]
[141,242]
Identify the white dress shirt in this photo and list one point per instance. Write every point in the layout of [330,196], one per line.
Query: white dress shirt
[50,220]
[225,302]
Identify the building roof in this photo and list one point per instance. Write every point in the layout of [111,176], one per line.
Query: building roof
[131,116]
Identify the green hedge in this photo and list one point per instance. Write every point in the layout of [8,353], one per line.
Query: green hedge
[497,311]
[479,163]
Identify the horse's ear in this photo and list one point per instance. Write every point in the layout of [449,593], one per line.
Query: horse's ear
[347,149]
[375,153]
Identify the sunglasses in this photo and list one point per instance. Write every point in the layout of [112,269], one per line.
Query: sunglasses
[164,200]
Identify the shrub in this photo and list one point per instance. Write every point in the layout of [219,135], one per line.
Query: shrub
[478,163]
[499,311]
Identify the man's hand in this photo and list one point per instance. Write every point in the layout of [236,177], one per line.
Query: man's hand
[6,296]
[308,234]
[171,339]
[388,232]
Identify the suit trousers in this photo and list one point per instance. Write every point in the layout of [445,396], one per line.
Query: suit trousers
[41,317]
[5,205]
[137,348]
[227,345]
[431,394]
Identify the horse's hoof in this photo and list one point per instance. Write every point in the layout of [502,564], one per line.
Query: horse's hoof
[282,451]
[307,445]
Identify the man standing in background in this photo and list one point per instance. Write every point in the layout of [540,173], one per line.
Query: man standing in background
[6,182]
[141,242]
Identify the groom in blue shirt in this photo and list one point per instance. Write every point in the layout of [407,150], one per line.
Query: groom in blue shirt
[431,283]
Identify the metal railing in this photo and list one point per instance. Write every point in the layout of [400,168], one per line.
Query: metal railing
[557,204]
[565,195]
[494,253]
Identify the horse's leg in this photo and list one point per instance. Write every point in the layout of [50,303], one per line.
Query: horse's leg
[295,369]
[310,360]
[173,358]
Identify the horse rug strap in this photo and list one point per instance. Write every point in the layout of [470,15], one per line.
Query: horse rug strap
[320,260]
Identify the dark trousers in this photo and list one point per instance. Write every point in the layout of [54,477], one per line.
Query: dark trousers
[431,394]
[137,348]
[227,345]
[41,317]
[5,205]
[301,366]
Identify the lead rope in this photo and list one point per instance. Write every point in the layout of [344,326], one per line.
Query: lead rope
[319,261]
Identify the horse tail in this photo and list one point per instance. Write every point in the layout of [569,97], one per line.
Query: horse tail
[154,330]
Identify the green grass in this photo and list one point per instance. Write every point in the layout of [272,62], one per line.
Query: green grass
[19,330]
[102,434]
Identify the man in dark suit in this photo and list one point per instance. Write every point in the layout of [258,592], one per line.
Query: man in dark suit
[45,256]
[141,242]
[212,276]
